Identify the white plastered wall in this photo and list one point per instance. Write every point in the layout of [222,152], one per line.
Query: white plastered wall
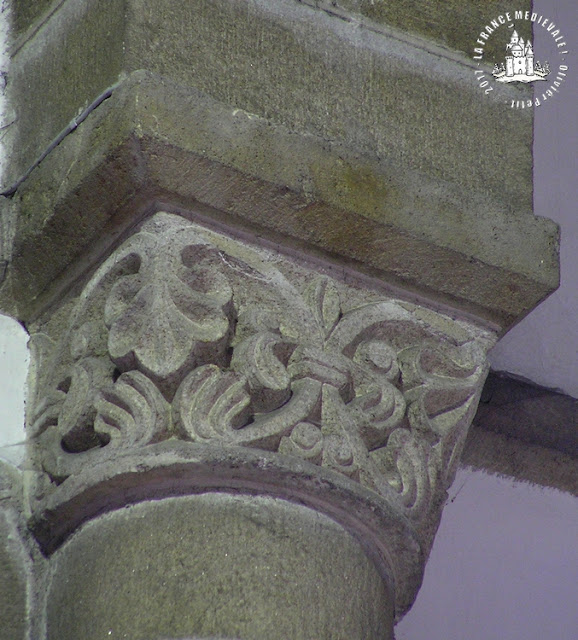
[14,360]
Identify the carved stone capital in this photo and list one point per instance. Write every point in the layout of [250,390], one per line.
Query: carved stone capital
[192,361]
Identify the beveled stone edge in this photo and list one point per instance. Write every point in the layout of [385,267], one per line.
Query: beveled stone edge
[173,469]
[343,10]
[284,214]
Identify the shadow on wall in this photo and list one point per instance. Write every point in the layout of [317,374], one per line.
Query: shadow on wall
[504,565]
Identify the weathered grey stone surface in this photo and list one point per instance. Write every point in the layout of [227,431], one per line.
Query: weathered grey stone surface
[14,571]
[176,468]
[290,64]
[243,567]
[418,185]
[13,596]
[59,68]
[135,160]
[25,13]
[453,23]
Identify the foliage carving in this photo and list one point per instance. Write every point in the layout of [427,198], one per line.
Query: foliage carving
[176,337]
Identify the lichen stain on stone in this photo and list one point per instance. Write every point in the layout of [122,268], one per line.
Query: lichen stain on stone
[356,188]
[338,231]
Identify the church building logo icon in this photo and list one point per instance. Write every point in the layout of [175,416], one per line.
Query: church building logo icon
[519,35]
[519,65]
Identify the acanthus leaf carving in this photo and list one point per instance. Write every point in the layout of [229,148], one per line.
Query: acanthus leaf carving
[343,451]
[378,409]
[131,412]
[322,298]
[208,349]
[405,462]
[95,421]
[442,387]
[268,429]
[210,404]
[256,358]
[172,307]
[305,441]
[77,413]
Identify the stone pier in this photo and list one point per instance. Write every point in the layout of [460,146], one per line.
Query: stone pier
[262,250]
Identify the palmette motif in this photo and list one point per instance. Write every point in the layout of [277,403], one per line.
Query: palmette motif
[180,335]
